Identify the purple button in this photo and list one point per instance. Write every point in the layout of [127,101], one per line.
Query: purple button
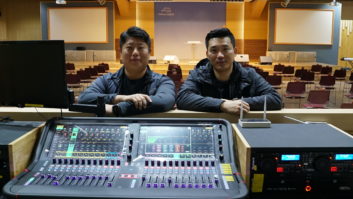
[190,186]
[210,186]
[162,185]
[109,184]
[176,186]
[155,185]
[197,186]
[203,186]
[55,183]
[183,185]
[148,185]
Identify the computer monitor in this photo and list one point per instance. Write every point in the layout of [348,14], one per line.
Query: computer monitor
[32,74]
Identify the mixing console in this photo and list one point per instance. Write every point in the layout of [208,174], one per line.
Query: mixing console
[132,158]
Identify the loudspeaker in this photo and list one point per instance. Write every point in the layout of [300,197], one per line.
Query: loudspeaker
[241,58]
[266,60]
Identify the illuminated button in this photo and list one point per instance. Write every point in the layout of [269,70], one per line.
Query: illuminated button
[280,169]
[333,169]
[308,188]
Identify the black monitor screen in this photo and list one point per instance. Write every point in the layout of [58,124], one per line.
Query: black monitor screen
[32,73]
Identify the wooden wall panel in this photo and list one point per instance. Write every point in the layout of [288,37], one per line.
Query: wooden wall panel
[345,49]
[235,22]
[255,48]
[122,23]
[239,43]
[3,28]
[23,20]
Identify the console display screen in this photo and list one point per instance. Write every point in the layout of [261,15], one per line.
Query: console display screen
[176,141]
[344,157]
[290,157]
[87,141]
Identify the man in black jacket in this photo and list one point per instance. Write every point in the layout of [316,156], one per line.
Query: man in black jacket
[133,89]
[223,85]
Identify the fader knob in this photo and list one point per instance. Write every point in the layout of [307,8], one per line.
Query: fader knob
[128,157]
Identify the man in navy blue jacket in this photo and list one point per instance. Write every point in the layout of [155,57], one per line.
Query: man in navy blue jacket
[223,85]
[133,89]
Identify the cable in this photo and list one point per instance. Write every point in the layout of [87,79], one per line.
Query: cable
[40,114]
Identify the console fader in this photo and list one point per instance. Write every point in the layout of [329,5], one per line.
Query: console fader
[132,158]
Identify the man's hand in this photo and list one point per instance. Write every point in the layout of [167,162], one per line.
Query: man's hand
[140,100]
[233,106]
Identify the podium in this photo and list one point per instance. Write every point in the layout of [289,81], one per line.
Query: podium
[193,49]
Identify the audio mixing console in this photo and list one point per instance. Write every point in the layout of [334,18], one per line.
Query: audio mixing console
[132,158]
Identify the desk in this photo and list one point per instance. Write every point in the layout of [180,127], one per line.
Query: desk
[342,118]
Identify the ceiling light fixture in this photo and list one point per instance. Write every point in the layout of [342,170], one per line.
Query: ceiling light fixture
[60,1]
[333,3]
[285,3]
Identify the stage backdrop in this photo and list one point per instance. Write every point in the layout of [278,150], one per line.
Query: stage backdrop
[177,23]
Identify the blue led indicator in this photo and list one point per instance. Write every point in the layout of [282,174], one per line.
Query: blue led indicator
[290,157]
[344,157]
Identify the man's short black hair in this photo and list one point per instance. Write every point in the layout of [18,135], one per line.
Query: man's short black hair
[219,33]
[135,32]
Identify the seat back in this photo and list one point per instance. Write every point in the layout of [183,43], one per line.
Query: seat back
[274,80]
[308,76]
[316,68]
[347,105]
[319,96]
[327,81]
[278,68]
[295,87]
[288,70]
[327,70]
[341,74]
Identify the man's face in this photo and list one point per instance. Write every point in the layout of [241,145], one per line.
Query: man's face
[135,55]
[221,54]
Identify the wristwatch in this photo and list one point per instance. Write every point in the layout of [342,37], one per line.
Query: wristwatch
[116,110]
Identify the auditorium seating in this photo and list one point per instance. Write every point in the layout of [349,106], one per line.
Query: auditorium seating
[175,73]
[318,99]
[295,90]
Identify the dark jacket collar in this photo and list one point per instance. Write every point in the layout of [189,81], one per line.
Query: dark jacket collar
[118,75]
[207,76]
